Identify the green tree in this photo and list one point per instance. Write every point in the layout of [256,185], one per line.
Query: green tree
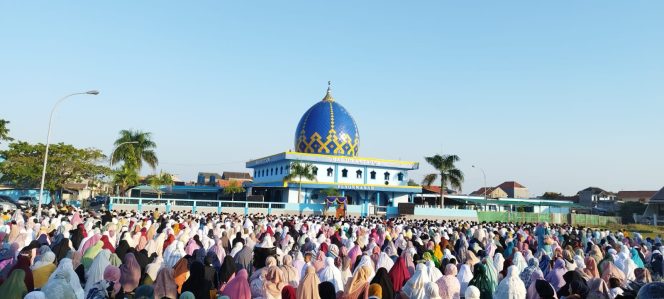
[411,182]
[300,171]
[447,171]
[626,211]
[232,188]
[4,131]
[157,181]
[141,150]
[22,165]
[124,178]
[551,195]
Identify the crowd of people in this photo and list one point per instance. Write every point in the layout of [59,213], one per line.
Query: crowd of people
[71,253]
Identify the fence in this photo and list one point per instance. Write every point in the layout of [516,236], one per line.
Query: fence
[573,219]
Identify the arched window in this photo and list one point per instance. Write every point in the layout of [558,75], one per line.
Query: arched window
[400,176]
[373,175]
[314,170]
[387,176]
[359,174]
[271,171]
[282,170]
[344,173]
[330,171]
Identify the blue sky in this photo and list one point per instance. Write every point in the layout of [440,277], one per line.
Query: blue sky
[557,96]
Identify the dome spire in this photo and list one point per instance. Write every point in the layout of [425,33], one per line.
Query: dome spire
[328,96]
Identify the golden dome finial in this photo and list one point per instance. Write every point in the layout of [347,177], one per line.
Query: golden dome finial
[328,96]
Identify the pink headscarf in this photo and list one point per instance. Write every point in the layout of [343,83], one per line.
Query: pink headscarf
[130,273]
[89,243]
[449,285]
[76,220]
[353,253]
[112,274]
[238,286]
[555,277]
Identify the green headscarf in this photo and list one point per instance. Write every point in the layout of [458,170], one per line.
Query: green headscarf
[14,287]
[91,253]
[481,281]
[115,260]
[429,256]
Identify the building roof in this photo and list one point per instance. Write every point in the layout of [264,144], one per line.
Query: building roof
[230,175]
[510,185]
[436,189]
[74,186]
[659,196]
[480,191]
[636,194]
[595,190]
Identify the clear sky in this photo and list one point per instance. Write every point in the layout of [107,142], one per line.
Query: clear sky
[558,96]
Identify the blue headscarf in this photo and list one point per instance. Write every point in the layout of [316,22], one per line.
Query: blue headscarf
[637,258]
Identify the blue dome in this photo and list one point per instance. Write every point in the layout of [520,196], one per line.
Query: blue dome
[328,129]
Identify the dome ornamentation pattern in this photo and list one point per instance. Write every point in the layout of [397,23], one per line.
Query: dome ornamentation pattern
[328,129]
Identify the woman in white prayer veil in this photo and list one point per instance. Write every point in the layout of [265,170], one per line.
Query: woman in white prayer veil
[434,273]
[65,271]
[511,287]
[464,276]
[628,268]
[384,261]
[498,262]
[519,262]
[415,286]
[238,246]
[332,274]
[96,271]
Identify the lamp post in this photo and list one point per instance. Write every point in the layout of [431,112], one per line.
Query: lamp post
[48,139]
[484,175]
[110,161]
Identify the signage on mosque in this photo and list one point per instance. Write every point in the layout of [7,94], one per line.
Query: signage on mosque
[357,187]
[356,161]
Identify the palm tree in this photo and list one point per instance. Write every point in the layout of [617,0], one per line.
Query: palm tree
[139,149]
[300,171]
[4,131]
[232,188]
[448,173]
[125,178]
[156,181]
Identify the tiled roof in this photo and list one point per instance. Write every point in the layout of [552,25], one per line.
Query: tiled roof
[636,194]
[510,185]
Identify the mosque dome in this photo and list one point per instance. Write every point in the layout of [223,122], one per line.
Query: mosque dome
[327,129]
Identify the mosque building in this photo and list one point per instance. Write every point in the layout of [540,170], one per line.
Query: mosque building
[327,137]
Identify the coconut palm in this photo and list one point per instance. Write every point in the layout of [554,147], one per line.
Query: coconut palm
[125,178]
[4,131]
[157,181]
[300,171]
[138,148]
[449,174]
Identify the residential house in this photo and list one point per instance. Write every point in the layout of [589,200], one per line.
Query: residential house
[594,197]
[514,189]
[208,178]
[237,176]
[655,209]
[490,192]
[635,196]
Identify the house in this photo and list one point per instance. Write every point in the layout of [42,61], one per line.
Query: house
[594,197]
[430,195]
[237,176]
[514,189]
[635,196]
[208,178]
[491,192]
[655,209]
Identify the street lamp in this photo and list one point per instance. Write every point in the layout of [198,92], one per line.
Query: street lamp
[110,161]
[483,174]
[48,139]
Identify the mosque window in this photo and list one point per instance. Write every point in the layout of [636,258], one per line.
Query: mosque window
[400,176]
[314,170]
[387,176]
[282,170]
[271,171]
[330,171]
[373,175]
[344,173]
[359,174]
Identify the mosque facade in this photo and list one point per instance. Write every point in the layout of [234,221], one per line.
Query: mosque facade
[327,137]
